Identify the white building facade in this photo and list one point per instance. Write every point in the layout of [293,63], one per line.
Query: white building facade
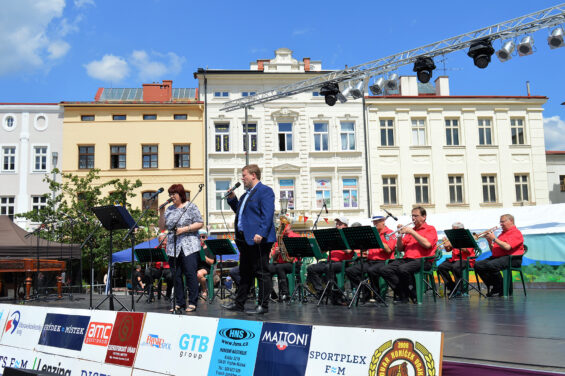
[30,147]
[556,175]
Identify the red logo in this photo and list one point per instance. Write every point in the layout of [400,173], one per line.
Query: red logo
[98,333]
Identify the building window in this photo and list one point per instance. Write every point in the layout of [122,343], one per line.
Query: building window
[455,183]
[221,94]
[9,159]
[521,184]
[118,156]
[150,156]
[85,157]
[422,188]
[180,116]
[350,193]
[86,117]
[248,93]
[38,203]
[347,135]
[7,206]
[148,117]
[485,132]
[182,156]
[315,93]
[285,136]
[286,187]
[222,187]
[418,132]
[118,117]
[9,122]
[452,132]
[40,158]
[252,130]
[323,192]
[517,128]
[562,183]
[389,190]
[489,188]
[387,132]
[153,204]
[321,137]
[222,137]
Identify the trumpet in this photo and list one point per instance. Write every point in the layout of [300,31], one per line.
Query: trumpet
[484,233]
[388,236]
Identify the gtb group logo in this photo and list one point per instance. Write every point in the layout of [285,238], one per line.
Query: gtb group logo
[13,322]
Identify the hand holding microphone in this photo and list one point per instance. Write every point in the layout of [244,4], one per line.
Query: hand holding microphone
[230,191]
[166,203]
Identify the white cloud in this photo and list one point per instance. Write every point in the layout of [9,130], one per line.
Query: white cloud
[157,65]
[111,68]
[297,32]
[83,3]
[25,40]
[554,132]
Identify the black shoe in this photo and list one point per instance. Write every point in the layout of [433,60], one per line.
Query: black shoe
[493,293]
[274,295]
[260,310]
[234,307]
[284,298]
[398,300]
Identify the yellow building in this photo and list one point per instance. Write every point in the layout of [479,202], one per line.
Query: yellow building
[154,133]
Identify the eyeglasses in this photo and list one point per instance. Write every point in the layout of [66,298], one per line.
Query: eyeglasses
[203,237]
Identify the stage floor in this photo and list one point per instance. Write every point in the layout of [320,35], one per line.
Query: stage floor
[518,332]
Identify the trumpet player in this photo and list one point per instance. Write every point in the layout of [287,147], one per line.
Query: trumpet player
[509,242]
[416,242]
[453,264]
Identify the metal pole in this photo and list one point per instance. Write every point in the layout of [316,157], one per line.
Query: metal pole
[206,145]
[246,139]
[368,172]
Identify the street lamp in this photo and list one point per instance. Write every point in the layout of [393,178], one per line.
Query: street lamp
[284,205]
[54,159]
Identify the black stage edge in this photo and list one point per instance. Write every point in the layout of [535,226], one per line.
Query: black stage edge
[517,332]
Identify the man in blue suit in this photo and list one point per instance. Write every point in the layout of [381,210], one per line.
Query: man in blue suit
[254,236]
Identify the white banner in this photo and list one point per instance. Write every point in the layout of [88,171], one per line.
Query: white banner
[98,335]
[23,326]
[15,358]
[4,311]
[86,368]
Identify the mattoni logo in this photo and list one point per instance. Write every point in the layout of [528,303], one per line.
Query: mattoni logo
[98,334]
[284,339]
[236,334]
[13,322]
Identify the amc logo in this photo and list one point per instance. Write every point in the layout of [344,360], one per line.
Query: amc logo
[236,334]
[98,334]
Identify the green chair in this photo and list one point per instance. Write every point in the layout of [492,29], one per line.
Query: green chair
[209,276]
[507,285]
[340,276]
[425,278]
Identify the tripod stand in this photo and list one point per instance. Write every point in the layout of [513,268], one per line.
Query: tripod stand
[150,255]
[220,247]
[299,248]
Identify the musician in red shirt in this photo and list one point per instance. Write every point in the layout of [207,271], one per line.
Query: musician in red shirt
[509,242]
[453,264]
[282,267]
[417,242]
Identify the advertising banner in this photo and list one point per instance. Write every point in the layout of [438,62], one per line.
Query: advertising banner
[235,348]
[97,336]
[64,331]
[175,344]
[373,352]
[87,368]
[283,349]
[124,339]
[23,326]
[15,358]
[4,310]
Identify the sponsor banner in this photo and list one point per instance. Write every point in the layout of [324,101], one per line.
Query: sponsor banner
[124,339]
[98,335]
[23,326]
[4,310]
[64,331]
[15,358]
[141,372]
[174,344]
[283,349]
[373,352]
[235,348]
[87,368]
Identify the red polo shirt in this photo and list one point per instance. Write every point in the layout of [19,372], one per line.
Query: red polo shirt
[413,249]
[339,255]
[279,259]
[456,255]
[512,236]
[379,253]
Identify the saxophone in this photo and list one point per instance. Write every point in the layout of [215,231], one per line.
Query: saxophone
[282,248]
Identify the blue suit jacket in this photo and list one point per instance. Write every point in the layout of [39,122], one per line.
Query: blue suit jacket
[258,214]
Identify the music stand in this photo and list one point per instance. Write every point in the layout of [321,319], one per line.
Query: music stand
[363,238]
[150,255]
[113,218]
[462,238]
[298,248]
[328,240]
[220,247]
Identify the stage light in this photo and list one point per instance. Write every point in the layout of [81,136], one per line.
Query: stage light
[342,96]
[481,51]
[423,68]
[330,91]
[555,40]
[505,53]
[357,91]
[377,86]
[392,82]
[526,46]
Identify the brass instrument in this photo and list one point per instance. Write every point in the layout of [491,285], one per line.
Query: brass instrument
[393,234]
[484,233]
[284,225]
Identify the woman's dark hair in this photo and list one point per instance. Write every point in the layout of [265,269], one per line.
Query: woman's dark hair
[178,188]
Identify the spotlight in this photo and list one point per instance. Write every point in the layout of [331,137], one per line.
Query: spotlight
[392,82]
[505,53]
[342,97]
[555,40]
[526,46]
[377,86]
[423,68]
[481,51]
[330,91]
[357,91]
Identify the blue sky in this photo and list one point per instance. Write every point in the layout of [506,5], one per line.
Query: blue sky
[63,50]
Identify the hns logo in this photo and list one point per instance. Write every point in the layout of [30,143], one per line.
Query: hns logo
[236,334]
[13,322]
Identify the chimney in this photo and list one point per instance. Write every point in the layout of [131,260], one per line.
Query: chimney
[158,92]
[306,61]
[442,86]
[408,86]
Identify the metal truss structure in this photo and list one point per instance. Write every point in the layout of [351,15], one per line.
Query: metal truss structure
[529,23]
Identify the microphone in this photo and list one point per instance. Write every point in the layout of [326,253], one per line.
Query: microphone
[325,207]
[155,194]
[390,215]
[230,191]
[165,203]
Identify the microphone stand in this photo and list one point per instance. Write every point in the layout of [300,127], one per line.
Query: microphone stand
[315,226]
[84,243]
